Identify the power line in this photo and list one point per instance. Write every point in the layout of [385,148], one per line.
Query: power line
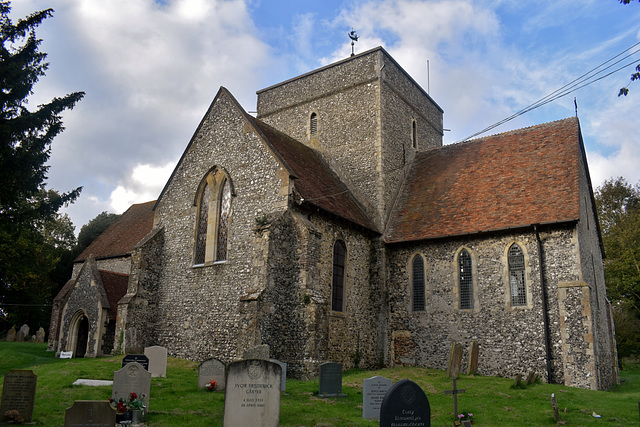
[584,80]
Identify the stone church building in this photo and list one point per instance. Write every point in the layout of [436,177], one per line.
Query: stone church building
[335,226]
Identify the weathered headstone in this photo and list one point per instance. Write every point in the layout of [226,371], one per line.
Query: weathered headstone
[472,369]
[531,378]
[252,397]
[554,405]
[25,330]
[40,335]
[212,369]
[139,358]
[405,405]
[283,366]
[518,381]
[455,360]
[374,390]
[259,352]
[20,336]
[157,360]
[330,380]
[18,393]
[90,413]
[11,335]
[132,378]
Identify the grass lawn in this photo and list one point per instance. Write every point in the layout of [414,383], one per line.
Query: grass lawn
[176,401]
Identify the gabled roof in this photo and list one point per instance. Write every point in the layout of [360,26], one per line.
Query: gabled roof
[119,239]
[314,180]
[115,286]
[510,180]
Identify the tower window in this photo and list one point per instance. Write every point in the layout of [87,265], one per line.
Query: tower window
[313,124]
[337,281]
[414,134]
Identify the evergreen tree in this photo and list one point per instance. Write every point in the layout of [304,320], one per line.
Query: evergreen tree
[27,208]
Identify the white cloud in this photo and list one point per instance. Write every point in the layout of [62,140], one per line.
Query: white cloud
[144,184]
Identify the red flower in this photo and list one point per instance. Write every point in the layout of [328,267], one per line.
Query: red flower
[133,396]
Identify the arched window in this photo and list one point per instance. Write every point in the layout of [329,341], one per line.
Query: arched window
[414,134]
[465,280]
[337,281]
[313,124]
[417,283]
[516,276]
[213,219]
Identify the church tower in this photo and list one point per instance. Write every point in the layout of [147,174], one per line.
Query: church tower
[365,115]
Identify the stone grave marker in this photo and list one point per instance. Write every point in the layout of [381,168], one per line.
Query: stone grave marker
[283,366]
[518,381]
[132,378]
[66,354]
[25,330]
[455,391]
[455,361]
[157,356]
[90,413]
[18,393]
[554,406]
[140,358]
[20,336]
[532,378]
[252,396]
[330,380]
[405,405]
[40,335]
[11,335]
[374,390]
[259,352]
[472,369]
[212,369]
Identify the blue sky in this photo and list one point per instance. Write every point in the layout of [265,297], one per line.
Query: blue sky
[151,68]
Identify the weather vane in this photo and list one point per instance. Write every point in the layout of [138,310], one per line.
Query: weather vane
[354,38]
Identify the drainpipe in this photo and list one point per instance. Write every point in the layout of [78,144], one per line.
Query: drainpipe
[545,314]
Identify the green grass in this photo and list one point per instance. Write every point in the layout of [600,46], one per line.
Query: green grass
[176,401]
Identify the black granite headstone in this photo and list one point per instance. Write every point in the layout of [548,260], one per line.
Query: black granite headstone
[330,380]
[140,358]
[405,405]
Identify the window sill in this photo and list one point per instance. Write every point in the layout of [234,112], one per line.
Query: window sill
[209,264]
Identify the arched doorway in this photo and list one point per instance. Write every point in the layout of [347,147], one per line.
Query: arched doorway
[82,337]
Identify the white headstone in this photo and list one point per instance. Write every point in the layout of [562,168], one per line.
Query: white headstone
[132,378]
[157,360]
[252,397]
[373,391]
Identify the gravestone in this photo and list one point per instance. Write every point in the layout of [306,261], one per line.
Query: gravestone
[66,354]
[90,413]
[374,390]
[25,330]
[518,381]
[455,361]
[405,405]
[40,335]
[157,356]
[11,335]
[132,378]
[283,366]
[18,393]
[472,369]
[140,358]
[455,391]
[252,397]
[212,369]
[554,406]
[259,352]
[330,380]
[20,336]
[532,378]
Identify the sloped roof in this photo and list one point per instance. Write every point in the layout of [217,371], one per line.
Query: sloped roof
[510,180]
[115,286]
[314,180]
[121,236]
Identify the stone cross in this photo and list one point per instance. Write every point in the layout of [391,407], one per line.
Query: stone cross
[455,393]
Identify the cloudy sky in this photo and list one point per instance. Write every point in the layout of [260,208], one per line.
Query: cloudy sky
[150,69]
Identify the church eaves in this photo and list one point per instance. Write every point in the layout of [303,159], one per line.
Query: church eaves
[510,180]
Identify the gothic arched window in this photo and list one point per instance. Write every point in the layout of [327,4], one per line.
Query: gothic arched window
[338,276]
[516,276]
[417,283]
[213,219]
[465,280]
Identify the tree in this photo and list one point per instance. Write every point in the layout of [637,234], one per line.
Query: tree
[618,204]
[91,230]
[635,75]
[27,209]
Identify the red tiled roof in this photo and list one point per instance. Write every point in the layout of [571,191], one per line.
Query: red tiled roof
[115,286]
[121,236]
[514,179]
[314,179]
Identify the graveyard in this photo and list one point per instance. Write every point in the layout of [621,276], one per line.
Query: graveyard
[177,400]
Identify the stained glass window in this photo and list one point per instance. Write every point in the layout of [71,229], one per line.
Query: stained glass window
[223,223]
[516,276]
[337,285]
[417,278]
[465,280]
[203,221]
